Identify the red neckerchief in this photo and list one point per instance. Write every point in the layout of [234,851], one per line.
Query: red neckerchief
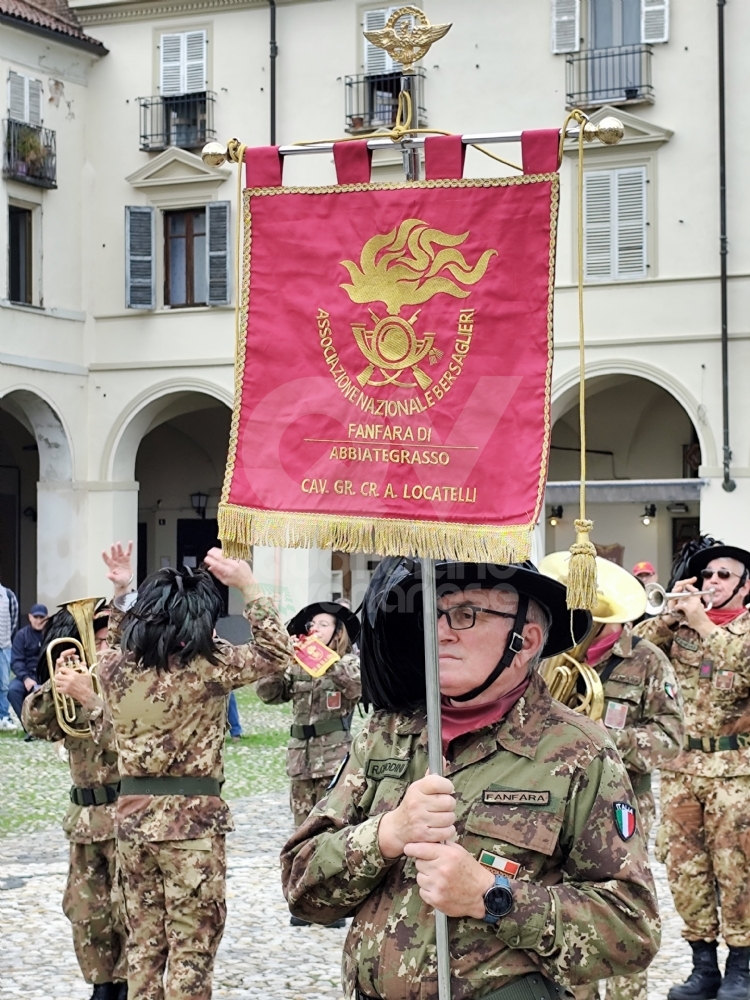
[600,647]
[723,616]
[460,719]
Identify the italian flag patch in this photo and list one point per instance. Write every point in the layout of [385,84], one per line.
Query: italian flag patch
[624,819]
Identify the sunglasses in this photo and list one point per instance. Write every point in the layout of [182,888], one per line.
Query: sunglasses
[723,574]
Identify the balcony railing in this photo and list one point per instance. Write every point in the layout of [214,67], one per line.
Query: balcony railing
[372,101]
[30,154]
[186,120]
[619,75]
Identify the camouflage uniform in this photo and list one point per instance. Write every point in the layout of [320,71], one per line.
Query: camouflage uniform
[92,899]
[705,797]
[585,905]
[643,715]
[311,763]
[172,723]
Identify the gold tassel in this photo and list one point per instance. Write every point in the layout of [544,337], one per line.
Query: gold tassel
[582,569]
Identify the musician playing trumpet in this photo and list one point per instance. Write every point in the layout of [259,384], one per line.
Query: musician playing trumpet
[705,791]
[91,898]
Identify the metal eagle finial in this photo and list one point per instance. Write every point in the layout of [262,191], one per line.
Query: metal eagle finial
[409,41]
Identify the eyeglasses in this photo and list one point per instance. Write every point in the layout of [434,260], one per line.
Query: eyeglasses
[723,574]
[464,616]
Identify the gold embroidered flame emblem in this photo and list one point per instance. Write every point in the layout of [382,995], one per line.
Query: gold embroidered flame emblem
[406,267]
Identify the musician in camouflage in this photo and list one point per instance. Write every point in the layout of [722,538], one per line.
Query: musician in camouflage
[91,901]
[166,692]
[705,791]
[535,802]
[322,707]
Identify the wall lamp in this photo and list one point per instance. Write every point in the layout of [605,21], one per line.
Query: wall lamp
[649,511]
[555,515]
[199,501]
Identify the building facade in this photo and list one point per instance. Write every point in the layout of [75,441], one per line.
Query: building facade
[118,289]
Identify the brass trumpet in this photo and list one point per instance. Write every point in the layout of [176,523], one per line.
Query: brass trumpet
[66,708]
[657,597]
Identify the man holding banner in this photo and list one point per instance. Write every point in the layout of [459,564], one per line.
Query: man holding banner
[530,842]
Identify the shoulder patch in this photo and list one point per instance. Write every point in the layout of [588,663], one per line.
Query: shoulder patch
[688,644]
[671,690]
[515,797]
[332,783]
[624,819]
[391,767]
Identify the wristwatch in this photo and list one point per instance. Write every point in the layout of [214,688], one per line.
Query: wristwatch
[498,900]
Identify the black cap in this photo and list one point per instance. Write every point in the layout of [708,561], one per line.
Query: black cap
[703,557]
[296,625]
[392,645]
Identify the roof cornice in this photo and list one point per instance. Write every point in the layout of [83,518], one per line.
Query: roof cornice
[151,10]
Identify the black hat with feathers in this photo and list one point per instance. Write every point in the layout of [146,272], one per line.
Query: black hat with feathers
[62,625]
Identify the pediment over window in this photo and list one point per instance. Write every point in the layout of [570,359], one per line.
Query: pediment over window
[638,132]
[176,177]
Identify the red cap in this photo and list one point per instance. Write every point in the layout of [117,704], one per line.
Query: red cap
[643,567]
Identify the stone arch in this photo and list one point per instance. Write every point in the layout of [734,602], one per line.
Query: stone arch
[152,407]
[39,416]
[565,392]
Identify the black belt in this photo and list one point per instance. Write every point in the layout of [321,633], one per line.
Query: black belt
[531,987]
[170,785]
[713,744]
[319,729]
[101,795]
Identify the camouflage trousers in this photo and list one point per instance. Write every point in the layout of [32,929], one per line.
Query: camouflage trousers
[633,987]
[707,832]
[175,912]
[91,903]
[304,794]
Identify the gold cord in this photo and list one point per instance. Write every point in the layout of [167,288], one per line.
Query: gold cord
[239,152]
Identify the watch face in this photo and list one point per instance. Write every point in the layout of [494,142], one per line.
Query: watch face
[498,900]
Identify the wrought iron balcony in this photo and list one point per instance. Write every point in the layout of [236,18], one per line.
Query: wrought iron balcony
[619,75]
[186,120]
[30,154]
[372,101]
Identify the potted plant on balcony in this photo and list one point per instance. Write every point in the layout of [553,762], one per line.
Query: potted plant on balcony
[29,150]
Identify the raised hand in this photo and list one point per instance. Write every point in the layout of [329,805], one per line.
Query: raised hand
[119,564]
[232,573]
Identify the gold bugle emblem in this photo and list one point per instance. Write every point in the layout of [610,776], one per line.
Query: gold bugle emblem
[406,267]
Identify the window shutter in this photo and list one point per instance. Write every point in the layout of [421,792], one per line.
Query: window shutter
[597,224]
[376,60]
[171,74]
[631,222]
[195,62]
[35,102]
[140,262]
[17,97]
[566,25]
[219,257]
[654,21]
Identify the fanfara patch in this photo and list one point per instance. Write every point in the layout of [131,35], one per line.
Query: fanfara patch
[392,767]
[688,644]
[515,797]
[495,863]
[624,819]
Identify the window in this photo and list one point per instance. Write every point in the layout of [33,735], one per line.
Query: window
[615,224]
[196,256]
[377,60]
[612,23]
[19,253]
[566,25]
[185,271]
[24,99]
[183,67]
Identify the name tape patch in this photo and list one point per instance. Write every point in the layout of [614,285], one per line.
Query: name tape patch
[515,797]
[392,767]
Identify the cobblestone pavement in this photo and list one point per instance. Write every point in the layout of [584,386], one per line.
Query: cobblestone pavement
[260,956]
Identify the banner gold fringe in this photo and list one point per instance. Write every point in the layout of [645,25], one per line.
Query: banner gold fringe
[242,527]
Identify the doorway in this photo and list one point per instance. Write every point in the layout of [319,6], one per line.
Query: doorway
[195,537]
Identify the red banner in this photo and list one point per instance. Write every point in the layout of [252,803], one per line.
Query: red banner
[393,371]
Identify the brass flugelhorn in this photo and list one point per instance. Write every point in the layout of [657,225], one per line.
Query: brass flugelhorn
[66,709]
[657,597]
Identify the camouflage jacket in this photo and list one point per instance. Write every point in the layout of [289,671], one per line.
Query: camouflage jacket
[333,696]
[540,788]
[642,706]
[173,722]
[91,764]
[714,674]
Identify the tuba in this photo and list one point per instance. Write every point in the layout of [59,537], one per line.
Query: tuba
[66,708]
[620,598]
